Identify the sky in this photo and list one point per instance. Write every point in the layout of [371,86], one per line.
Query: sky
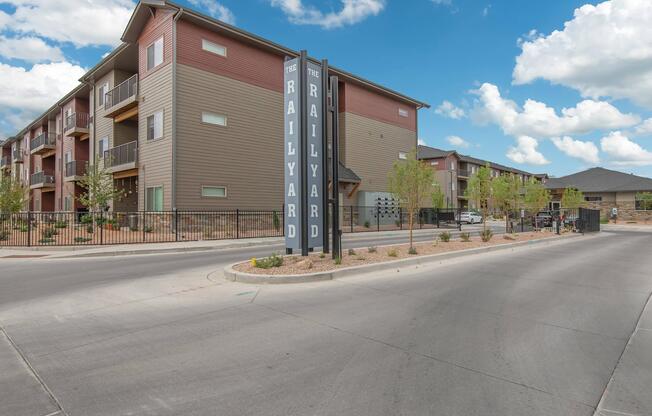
[552,86]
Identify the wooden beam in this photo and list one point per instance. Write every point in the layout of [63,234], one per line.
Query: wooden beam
[84,137]
[355,188]
[126,115]
[125,174]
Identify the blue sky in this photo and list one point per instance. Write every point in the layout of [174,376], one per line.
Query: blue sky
[485,58]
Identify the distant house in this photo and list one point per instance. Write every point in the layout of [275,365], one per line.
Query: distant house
[605,189]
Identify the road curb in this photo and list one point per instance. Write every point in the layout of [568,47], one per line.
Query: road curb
[235,276]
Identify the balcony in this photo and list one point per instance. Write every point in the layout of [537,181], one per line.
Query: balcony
[121,158]
[122,100]
[76,125]
[75,170]
[41,180]
[17,156]
[5,163]
[463,173]
[43,143]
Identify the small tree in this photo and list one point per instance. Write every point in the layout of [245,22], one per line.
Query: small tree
[437,196]
[506,191]
[13,195]
[411,183]
[572,198]
[479,191]
[99,190]
[644,200]
[536,197]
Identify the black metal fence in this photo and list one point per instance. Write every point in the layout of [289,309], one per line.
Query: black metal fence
[574,219]
[30,229]
[588,220]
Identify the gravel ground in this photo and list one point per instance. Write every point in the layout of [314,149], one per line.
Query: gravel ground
[314,263]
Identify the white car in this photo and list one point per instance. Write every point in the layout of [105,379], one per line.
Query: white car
[470,217]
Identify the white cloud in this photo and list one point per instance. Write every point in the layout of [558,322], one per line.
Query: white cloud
[625,152]
[421,142]
[30,49]
[353,11]
[536,119]
[450,110]
[586,151]
[37,88]
[644,128]
[485,11]
[457,141]
[604,51]
[81,22]
[442,2]
[216,10]
[526,151]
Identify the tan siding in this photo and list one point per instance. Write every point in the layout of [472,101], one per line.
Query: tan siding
[372,147]
[103,125]
[155,157]
[246,156]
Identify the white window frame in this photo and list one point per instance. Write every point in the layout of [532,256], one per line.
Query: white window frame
[402,112]
[207,115]
[213,187]
[67,203]
[157,127]
[157,60]
[101,92]
[100,148]
[67,157]
[148,200]
[213,47]
[402,155]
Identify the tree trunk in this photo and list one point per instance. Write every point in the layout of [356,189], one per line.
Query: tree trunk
[411,225]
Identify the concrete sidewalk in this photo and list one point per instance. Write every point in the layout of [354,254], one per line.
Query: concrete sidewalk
[192,246]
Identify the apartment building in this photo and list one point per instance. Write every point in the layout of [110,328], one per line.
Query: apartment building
[453,170]
[187,113]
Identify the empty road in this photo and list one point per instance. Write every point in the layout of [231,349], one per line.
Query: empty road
[535,331]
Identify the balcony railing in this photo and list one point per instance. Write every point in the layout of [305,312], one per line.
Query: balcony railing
[76,168]
[76,121]
[463,172]
[44,141]
[40,179]
[125,90]
[5,162]
[124,154]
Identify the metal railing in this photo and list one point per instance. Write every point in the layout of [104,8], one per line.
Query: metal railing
[121,155]
[43,139]
[41,178]
[123,91]
[76,120]
[75,168]
[389,218]
[463,172]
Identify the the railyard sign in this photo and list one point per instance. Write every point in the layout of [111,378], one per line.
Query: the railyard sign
[304,167]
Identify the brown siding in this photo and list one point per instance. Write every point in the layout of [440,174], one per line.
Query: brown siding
[157,26]
[243,62]
[366,103]
[246,156]
[372,147]
[155,157]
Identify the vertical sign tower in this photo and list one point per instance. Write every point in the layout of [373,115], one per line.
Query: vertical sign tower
[304,168]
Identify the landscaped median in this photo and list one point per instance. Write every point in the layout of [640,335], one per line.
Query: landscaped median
[317,267]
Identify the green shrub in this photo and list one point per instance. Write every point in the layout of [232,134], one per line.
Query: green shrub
[372,249]
[322,255]
[465,237]
[276,222]
[24,228]
[604,220]
[4,235]
[148,229]
[445,236]
[86,219]
[392,253]
[134,228]
[351,252]
[486,235]
[412,251]
[49,233]
[338,260]
[90,229]
[46,241]
[82,239]
[268,262]
[61,224]
[367,224]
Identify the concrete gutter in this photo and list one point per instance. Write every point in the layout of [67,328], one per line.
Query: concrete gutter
[235,276]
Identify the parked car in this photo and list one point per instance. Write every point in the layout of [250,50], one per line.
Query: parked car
[470,217]
[543,219]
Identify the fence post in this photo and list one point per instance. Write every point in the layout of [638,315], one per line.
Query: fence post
[400,217]
[283,221]
[522,225]
[142,225]
[237,223]
[176,224]
[377,218]
[459,219]
[351,217]
[29,228]
[437,211]
[101,227]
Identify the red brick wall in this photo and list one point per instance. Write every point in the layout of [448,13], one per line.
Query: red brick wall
[158,26]
[366,103]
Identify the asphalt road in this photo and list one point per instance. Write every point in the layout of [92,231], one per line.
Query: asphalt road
[536,331]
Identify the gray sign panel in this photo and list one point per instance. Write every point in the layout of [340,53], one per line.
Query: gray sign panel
[293,150]
[315,169]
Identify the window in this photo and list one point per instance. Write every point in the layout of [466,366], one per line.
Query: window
[155,126]
[101,94]
[593,198]
[213,191]
[67,203]
[403,112]
[212,47]
[402,155]
[67,158]
[643,202]
[452,165]
[154,198]
[155,54]
[434,163]
[212,118]
[102,146]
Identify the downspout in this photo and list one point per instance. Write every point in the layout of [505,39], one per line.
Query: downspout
[62,168]
[174,109]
